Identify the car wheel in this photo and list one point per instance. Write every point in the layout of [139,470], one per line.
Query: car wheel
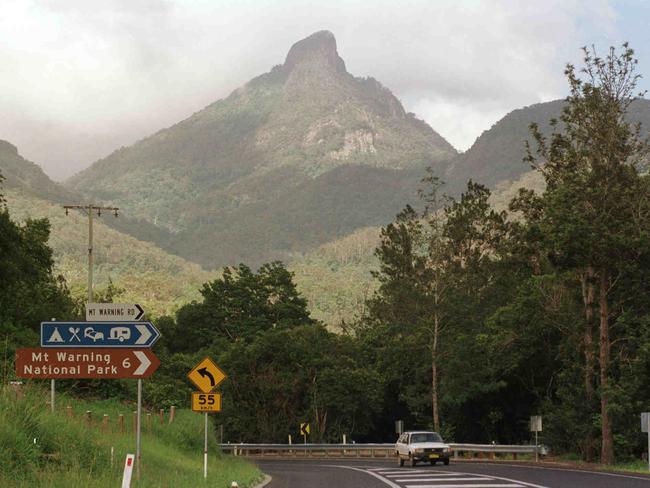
[446,462]
[412,461]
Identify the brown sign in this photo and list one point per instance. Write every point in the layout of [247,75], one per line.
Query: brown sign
[51,363]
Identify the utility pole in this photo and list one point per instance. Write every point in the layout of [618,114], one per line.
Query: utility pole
[90,209]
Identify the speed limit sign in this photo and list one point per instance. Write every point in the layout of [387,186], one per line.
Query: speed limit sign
[206,402]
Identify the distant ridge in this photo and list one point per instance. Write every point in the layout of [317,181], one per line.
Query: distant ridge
[497,155]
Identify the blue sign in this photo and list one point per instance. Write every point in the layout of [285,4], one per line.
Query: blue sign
[98,334]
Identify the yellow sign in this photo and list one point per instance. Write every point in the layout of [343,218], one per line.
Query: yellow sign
[206,375]
[304,429]
[206,402]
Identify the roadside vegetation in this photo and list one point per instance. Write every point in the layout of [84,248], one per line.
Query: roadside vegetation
[40,448]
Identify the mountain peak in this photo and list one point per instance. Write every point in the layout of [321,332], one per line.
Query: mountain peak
[320,47]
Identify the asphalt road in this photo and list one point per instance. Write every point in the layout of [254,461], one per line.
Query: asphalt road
[335,473]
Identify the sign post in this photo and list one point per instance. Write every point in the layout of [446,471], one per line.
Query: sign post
[645,427]
[206,376]
[536,426]
[138,435]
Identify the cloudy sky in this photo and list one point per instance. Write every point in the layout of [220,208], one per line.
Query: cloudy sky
[80,78]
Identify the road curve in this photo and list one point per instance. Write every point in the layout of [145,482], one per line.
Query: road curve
[333,473]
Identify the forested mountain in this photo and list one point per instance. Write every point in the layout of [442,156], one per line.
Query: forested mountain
[298,156]
[22,174]
[498,154]
[139,270]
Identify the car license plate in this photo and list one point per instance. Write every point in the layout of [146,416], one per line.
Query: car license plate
[433,456]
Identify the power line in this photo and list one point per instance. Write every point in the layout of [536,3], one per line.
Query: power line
[90,209]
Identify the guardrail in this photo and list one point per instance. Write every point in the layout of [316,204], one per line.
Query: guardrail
[366,450]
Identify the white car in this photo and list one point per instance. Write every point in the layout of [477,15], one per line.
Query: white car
[421,446]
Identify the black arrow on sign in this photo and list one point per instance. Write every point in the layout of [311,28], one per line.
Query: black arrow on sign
[140,313]
[204,372]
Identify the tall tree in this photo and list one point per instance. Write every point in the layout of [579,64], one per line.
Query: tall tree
[590,204]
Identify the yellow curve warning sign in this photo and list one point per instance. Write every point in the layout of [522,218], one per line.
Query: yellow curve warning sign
[206,375]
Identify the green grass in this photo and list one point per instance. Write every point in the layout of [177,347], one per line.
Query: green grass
[39,448]
[636,466]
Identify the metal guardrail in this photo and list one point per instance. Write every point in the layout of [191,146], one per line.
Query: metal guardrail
[364,450]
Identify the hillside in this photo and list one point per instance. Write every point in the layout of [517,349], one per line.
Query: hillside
[160,282]
[336,277]
[20,173]
[297,157]
[497,155]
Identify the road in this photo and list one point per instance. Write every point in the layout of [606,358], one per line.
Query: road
[335,473]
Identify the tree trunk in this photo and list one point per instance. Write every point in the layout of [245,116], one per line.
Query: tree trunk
[589,298]
[434,370]
[607,448]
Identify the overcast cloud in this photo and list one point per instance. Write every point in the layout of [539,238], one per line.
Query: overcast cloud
[80,78]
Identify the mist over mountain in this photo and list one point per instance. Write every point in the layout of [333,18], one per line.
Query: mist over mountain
[298,156]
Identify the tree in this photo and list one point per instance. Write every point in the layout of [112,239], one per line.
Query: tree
[591,217]
[284,377]
[241,304]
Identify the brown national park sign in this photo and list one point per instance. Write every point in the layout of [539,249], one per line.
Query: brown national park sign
[71,363]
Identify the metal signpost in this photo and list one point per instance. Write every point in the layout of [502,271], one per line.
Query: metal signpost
[206,376]
[110,334]
[111,326]
[118,312]
[536,426]
[645,427]
[100,348]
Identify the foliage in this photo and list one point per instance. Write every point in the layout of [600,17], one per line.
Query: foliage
[29,291]
[40,448]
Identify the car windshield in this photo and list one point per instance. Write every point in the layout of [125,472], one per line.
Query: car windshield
[425,437]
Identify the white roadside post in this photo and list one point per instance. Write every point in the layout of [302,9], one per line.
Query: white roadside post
[128,471]
[645,427]
[536,426]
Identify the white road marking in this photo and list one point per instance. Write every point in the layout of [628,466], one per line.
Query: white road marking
[420,480]
[466,485]
[423,473]
[372,473]
[403,471]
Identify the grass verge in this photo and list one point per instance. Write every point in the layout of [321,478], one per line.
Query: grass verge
[40,448]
